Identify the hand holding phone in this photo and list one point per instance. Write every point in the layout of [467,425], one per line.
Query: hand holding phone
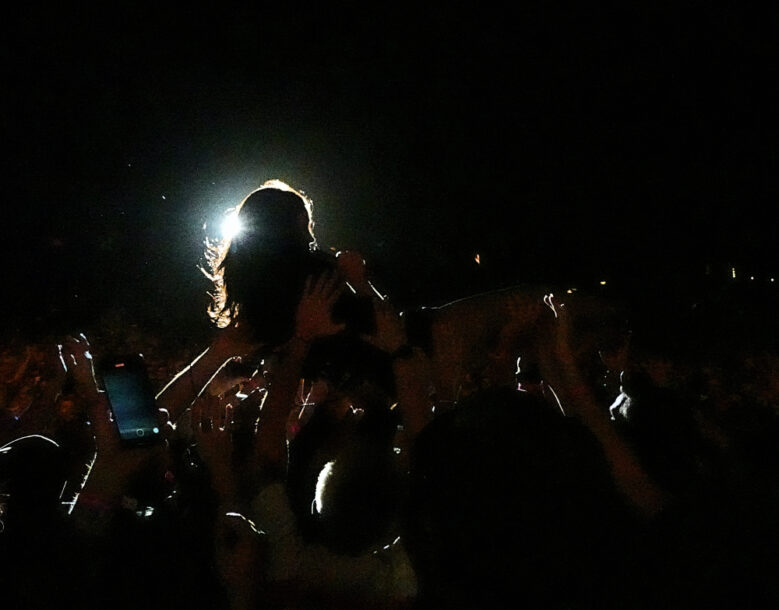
[121,404]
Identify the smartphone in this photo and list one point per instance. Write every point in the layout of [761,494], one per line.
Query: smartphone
[126,383]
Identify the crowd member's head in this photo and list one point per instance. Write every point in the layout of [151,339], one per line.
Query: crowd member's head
[258,273]
[275,216]
[32,479]
[356,496]
[342,477]
[510,504]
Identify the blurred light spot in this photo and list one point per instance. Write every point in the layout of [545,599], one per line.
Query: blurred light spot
[477,258]
[231,226]
[603,282]
[733,272]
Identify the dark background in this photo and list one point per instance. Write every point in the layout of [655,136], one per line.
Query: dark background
[634,142]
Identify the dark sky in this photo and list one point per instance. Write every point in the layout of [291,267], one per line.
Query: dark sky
[560,144]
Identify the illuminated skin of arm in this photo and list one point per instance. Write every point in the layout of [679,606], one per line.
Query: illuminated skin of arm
[562,372]
[231,342]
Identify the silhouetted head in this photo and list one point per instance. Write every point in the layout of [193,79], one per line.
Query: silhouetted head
[342,478]
[33,475]
[508,500]
[356,498]
[259,272]
[275,216]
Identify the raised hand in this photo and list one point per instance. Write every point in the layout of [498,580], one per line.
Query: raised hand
[559,362]
[352,266]
[77,357]
[558,344]
[114,464]
[561,369]
[212,425]
[313,319]
[390,332]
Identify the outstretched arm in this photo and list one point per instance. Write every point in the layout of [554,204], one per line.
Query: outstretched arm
[180,392]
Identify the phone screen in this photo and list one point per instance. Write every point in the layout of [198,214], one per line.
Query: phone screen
[127,385]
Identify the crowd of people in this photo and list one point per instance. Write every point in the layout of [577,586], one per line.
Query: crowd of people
[526,447]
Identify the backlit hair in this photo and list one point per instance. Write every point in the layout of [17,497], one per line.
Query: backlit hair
[223,308]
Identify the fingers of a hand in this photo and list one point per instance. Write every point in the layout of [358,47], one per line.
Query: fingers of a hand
[227,418]
[79,341]
[70,351]
[203,412]
[350,257]
[549,302]
[75,354]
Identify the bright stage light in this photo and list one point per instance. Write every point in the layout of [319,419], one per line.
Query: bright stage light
[231,226]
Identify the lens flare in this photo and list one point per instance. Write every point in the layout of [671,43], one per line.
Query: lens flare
[231,226]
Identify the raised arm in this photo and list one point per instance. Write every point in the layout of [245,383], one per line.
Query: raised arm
[106,487]
[238,544]
[562,372]
[181,391]
[410,367]
[312,321]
